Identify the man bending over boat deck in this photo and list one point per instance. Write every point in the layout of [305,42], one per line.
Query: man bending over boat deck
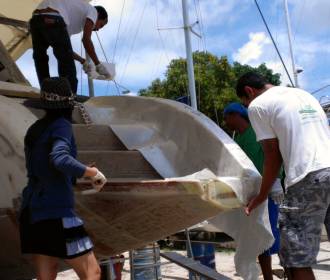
[236,119]
[52,24]
[293,129]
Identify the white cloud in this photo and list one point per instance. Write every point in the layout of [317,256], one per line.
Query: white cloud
[259,49]
[253,49]
[310,54]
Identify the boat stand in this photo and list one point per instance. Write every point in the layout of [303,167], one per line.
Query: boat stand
[141,259]
[107,270]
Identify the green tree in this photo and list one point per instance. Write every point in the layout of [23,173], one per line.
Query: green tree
[215,82]
[273,78]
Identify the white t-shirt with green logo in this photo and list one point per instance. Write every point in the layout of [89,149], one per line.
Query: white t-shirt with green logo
[74,13]
[297,120]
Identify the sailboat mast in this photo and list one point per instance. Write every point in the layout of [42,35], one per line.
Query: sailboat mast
[90,79]
[288,23]
[190,62]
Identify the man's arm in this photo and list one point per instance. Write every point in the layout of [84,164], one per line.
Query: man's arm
[272,165]
[87,41]
[78,58]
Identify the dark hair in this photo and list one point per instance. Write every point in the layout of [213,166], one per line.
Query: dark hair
[250,79]
[101,12]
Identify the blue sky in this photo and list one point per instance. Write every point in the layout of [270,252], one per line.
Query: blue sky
[230,27]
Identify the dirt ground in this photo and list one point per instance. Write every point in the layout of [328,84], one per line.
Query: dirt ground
[224,264]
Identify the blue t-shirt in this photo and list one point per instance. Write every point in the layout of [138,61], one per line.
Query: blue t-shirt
[52,169]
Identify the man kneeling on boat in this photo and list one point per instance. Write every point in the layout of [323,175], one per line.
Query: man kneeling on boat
[52,24]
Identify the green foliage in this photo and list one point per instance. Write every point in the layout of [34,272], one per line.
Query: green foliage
[215,82]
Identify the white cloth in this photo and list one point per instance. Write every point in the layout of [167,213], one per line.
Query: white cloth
[277,187]
[297,120]
[111,67]
[98,181]
[252,234]
[276,193]
[74,13]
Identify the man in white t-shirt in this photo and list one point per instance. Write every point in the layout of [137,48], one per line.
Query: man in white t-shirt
[52,24]
[293,129]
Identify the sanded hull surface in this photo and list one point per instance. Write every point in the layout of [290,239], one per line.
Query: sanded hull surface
[125,216]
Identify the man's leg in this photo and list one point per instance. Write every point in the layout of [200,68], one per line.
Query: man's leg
[300,273]
[86,266]
[301,217]
[40,46]
[62,48]
[265,259]
[265,262]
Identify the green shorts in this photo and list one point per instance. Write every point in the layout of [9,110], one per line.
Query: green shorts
[301,218]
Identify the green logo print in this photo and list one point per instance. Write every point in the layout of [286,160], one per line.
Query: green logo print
[308,112]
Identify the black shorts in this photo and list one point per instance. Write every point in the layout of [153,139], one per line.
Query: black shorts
[64,238]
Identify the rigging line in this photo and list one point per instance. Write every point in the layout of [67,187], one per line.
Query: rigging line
[157,59]
[106,59]
[118,91]
[302,9]
[121,86]
[159,33]
[197,17]
[199,76]
[134,39]
[201,24]
[322,88]
[131,24]
[185,67]
[159,55]
[105,56]
[278,21]
[274,43]
[164,47]
[118,31]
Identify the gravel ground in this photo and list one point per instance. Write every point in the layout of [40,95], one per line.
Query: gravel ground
[224,264]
